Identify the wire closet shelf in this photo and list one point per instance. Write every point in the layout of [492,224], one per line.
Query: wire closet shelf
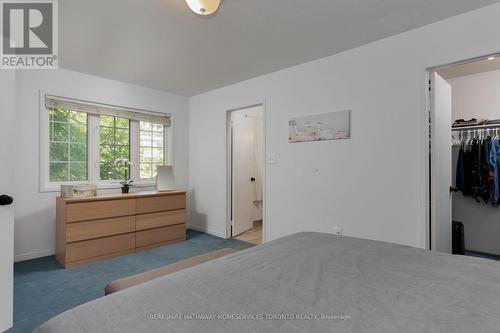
[467,133]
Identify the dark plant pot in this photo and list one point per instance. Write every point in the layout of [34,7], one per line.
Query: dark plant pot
[125,189]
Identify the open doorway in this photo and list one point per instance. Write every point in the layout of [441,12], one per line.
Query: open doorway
[246,173]
[464,171]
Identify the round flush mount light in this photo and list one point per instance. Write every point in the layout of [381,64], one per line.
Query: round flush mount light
[203,7]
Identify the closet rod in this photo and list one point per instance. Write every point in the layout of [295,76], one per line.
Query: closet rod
[461,128]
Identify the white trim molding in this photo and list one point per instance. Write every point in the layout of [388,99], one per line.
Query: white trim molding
[207,231]
[34,255]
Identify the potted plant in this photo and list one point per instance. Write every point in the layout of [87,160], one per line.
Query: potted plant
[123,165]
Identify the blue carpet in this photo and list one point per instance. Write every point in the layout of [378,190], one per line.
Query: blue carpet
[43,289]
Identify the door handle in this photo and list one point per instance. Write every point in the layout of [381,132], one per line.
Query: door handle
[252,179]
[6,200]
[453,189]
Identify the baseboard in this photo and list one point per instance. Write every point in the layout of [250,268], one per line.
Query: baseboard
[46,253]
[34,255]
[484,250]
[207,231]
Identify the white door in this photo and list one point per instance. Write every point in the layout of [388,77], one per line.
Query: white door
[243,131]
[7,111]
[440,163]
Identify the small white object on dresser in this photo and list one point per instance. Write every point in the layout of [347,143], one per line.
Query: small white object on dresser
[165,178]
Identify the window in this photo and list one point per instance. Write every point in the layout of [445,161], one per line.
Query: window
[68,146]
[152,151]
[80,142]
[114,143]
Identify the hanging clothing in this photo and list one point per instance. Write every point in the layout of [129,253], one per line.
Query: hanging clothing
[494,162]
[486,174]
[468,171]
[460,176]
[478,169]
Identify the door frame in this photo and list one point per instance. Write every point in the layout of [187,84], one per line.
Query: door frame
[427,131]
[229,168]
[8,211]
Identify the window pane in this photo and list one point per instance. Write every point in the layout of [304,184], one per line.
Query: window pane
[152,152]
[59,115]
[146,126]
[158,128]
[78,132]
[115,143]
[157,155]
[122,151]
[121,174]
[122,123]
[121,137]
[78,152]
[157,139]
[145,139]
[107,136]
[106,121]
[146,154]
[107,152]
[58,172]
[68,143]
[58,151]
[107,171]
[78,171]
[146,169]
[58,131]
[78,117]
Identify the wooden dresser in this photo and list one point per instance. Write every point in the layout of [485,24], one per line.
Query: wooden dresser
[91,229]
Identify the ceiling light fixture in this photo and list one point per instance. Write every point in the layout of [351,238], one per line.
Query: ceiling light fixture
[491,58]
[203,7]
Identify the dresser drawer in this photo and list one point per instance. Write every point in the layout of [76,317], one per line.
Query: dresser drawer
[161,203]
[79,231]
[82,211]
[161,219]
[99,247]
[160,235]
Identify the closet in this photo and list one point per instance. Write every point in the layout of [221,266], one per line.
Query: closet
[475,144]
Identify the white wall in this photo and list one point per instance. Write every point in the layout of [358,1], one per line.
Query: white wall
[477,96]
[35,211]
[373,185]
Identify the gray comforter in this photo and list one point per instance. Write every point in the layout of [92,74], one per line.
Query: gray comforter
[318,282]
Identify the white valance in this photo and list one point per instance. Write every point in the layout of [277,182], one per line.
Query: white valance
[56,102]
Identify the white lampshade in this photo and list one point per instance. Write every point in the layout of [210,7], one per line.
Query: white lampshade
[203,7]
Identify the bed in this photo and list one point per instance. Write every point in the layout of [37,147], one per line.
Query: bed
[306,282]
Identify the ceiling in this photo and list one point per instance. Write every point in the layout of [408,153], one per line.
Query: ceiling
[470,68]
[161,44]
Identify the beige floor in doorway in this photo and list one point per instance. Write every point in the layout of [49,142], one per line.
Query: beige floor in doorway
[253,235]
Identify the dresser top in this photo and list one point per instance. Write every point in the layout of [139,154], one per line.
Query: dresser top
[117,196]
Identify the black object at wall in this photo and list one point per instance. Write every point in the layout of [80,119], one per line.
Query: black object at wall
[457,238]
[5,200]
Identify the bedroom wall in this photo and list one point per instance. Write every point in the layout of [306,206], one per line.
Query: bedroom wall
[477,96]
[35,211]
[373,185]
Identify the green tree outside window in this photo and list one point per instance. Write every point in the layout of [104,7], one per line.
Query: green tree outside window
[114,143]
[67,146]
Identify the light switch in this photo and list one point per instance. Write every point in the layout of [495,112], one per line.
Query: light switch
[271,159]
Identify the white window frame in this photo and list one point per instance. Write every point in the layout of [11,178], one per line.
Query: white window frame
[93,153]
